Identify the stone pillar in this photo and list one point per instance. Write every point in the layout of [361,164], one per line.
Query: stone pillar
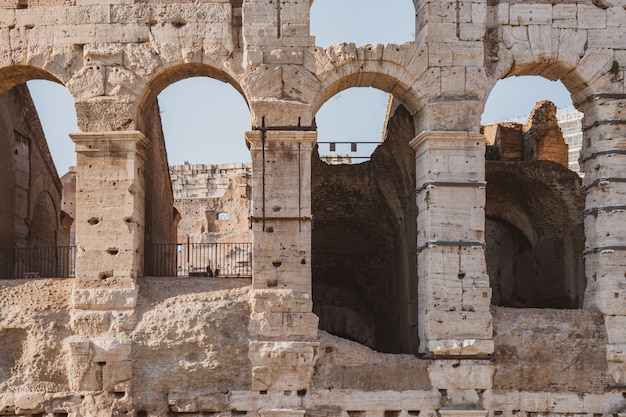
[282,327]
[109,236]
[605,232]
[454,295]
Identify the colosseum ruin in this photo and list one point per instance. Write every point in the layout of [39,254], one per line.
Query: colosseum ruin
[446,277]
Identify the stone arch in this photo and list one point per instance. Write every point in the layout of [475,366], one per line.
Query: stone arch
[364,239]
[541,201]
[583,72]
[44,221]
[146,99]
[160,215]
[15,75]
[367,67]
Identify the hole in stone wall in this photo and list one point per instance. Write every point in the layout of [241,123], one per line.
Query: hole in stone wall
[94,221]
[142,414]
[392,413]
[533,260]
[113,251]
[276,263]
[301,392]
[106,274]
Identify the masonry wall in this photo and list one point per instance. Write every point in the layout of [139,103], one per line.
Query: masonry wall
[113,342]
[31,203]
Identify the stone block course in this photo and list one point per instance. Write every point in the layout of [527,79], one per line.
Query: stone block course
[133,346]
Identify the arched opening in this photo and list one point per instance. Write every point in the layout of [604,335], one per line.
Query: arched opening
[362,22]
[364,273]
[534,227]
[34,228]
[200,164]
[351,125]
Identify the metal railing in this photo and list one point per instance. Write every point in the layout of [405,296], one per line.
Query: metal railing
[347,150]
[50,262]
[198,259]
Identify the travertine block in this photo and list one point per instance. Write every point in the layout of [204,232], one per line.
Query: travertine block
[616,329]
[110,350]
[282,353]
[114,373]
[283,325]
[281,301]
[606,403]
[560,402]
[458,411]
[282,412]
[462,347]
[215,402]
[605,194]
[605,229]
[500,399]
[181,403]
[534,401]
[104,299]
[530,14]
[438,325]
[280,378]
[591,17]
[460,375]
[90,323]
[565,16]
[452,263]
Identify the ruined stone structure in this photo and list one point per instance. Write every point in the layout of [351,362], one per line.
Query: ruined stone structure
[30,204]
[213,201]
[114,342]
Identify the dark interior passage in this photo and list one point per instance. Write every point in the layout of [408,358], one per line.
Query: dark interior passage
[363,244]
[534,235]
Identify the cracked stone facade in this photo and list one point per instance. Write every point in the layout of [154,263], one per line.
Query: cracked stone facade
[113,342]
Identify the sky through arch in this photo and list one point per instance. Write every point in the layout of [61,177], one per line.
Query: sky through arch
[204,121]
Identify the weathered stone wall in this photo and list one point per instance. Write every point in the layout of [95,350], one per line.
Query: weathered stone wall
[161,217]
[115,59]
[31,190]
[203,192]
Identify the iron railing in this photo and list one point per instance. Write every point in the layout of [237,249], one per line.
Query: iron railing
[198,259]
[347,150]
[50,262]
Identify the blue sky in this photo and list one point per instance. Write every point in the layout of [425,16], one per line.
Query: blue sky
[204,120]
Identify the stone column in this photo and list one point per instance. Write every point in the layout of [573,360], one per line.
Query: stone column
[109,238]
[604,183]
[282,327]
[454,295]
